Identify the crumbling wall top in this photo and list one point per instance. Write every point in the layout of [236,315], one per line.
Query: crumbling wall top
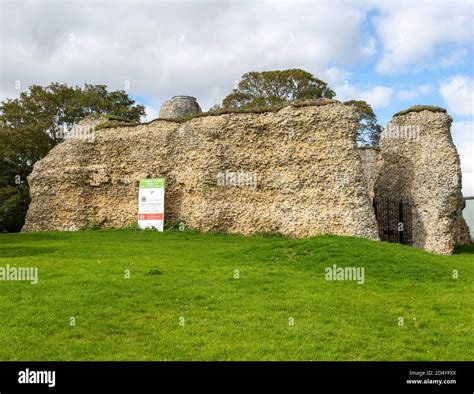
[419,108]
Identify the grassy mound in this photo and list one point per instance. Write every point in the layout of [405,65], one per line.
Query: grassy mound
[419,108]
[194,296]
[115,121]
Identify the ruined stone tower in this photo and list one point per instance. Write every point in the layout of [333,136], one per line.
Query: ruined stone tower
[308,176]
[416,173]
[179,106]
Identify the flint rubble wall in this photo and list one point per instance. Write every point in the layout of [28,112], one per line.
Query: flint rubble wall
[295,171]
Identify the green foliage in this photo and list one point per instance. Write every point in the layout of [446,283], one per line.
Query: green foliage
[269,88]
[117,118]
[175,225]
[94,226]
[419,108]
[13,207]
[133,227]
[114,123]
[270,234]
[81,274]
[33,123]
[154,272]
[369,131]
[217,110]
[51,109]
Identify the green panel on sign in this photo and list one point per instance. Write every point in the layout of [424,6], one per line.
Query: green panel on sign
[152,183]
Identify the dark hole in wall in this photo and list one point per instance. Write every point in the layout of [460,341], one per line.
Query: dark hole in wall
[394,220]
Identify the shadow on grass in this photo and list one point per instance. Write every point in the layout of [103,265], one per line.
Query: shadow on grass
[465,249]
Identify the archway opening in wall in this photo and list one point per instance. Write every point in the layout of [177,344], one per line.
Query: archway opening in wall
[394,220]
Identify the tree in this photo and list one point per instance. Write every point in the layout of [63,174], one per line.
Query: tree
[369,130]
[33,123]
[267,88]
[52,108]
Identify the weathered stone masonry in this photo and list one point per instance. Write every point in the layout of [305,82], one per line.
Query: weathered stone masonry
[295,171]
[418,163]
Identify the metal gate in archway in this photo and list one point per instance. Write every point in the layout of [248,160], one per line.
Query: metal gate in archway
[394,220]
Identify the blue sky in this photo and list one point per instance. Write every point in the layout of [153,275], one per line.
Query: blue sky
[393,54]
[417,83]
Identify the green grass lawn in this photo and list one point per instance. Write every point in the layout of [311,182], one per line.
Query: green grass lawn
[177,275]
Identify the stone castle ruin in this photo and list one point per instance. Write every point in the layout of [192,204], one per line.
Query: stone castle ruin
[295,170]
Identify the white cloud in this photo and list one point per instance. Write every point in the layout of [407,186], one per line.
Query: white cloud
[333,76]
[454,58]
[411,32]
[377,96]
[165,48]
[347,91]
[151,113]
[411,94]
[369,47]
[458,93]
[463,138]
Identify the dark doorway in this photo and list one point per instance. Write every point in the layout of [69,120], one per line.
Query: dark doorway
[394,220]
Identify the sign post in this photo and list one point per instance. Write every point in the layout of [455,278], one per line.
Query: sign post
[151,203]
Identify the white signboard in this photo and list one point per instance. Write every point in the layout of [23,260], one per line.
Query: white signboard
[151,203]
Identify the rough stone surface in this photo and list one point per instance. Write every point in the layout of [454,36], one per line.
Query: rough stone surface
[179,106]
[371,165]
[88,123]
[463,235]
[296,171]
[308,175]
[420,165]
